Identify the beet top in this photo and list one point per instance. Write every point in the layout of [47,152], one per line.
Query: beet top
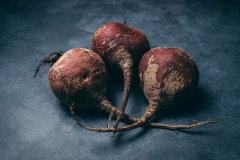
[120,46]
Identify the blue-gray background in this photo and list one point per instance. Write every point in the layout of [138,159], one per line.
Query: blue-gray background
[34,125]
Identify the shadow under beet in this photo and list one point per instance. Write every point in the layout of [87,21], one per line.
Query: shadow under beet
[198,102]
[85,113]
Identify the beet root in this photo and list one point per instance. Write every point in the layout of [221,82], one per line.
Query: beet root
[168,76]
[120,46]
[78,76]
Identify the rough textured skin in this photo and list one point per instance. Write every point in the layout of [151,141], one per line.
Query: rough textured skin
[120,46]
[168,75]
[113,37]
[79,76]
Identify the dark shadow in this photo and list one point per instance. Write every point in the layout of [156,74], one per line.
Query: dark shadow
[84,113]
[120,139]
[115,83]
[65,109]
[94,114]
[195,104]
[198,102]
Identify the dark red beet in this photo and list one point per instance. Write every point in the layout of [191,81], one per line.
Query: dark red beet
[120,46]
[168,76]
[78,76]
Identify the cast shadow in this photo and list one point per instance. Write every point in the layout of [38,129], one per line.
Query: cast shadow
[84,113]
[115,85]
[120,139]
[198,102]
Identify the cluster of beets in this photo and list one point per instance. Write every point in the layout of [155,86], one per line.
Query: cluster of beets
[167,75]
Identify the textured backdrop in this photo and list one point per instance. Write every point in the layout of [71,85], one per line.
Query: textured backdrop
[35,125]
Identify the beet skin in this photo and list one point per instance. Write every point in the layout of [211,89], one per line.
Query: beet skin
[78,76]
[168,75]
[122,47]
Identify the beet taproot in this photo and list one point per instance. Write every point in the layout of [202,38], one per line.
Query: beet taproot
[120,46]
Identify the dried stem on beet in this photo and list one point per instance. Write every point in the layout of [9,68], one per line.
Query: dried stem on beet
[48,59]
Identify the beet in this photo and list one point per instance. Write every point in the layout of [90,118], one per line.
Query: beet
[78,76]
[168,76]
[120,46]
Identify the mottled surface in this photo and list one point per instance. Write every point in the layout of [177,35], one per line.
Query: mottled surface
[79,76]
[121,47]
[35,125]
[168,75]
[113,38]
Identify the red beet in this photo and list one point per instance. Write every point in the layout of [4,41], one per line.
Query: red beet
[77,77]
[168,76]
[120,46]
